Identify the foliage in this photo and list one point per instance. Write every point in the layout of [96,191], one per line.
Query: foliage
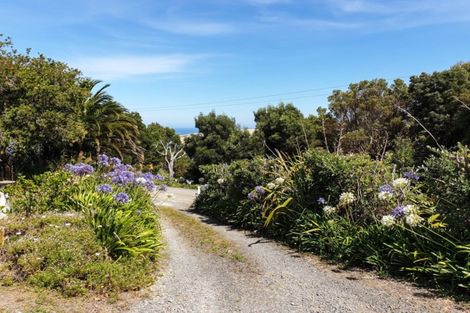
[49,191]
[107,228]
[219,140]
[59,251]
[353,210]
[41,100]
[365,116]
[110,128]
[284,128]
[151,135]
[434,102]
[446,177]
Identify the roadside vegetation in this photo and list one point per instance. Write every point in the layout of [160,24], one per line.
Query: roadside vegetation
[96,230]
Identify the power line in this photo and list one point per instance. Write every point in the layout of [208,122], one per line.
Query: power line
[233,104]
[202,105]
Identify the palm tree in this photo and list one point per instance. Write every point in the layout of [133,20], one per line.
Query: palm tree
[109,125]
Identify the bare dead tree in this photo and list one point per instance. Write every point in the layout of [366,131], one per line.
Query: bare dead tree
[171,152]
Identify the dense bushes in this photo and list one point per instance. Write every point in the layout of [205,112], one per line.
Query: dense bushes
[83,228]
[353,209]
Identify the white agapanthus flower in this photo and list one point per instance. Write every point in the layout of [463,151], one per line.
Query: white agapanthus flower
[346,198]
[220,181]
[385,196]
[328,209]
[400,183]
[141,180]
[410,209]
[413,219]
[279,181]
[271,186]
[387,220]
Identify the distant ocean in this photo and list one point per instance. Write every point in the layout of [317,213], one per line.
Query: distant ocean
[186,131]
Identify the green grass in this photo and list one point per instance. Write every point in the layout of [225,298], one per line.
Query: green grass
[201,235]
[61,252]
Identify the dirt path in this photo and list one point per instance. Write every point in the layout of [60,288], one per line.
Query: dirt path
[274,279]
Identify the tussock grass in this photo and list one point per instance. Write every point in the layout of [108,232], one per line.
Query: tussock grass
[202,236]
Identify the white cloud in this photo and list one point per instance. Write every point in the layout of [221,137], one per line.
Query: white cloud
[114,67]
[192,27]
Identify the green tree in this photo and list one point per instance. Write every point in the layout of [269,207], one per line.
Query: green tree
[151,136]
[110,127]
[366,116]
[436,102]
[220,140]
[40,106]
[284,128]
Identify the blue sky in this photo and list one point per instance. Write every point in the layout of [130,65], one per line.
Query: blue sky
[170,60]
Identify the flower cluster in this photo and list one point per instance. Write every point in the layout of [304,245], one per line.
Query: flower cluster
[346,198]
[257,193]
[146,180]
[122,197]
[10,150]
[328,209]
[411,175]
[79,169]
[220,181]
[104,188]
[409,212]
[103,160]
[401,183]
[121,176]
[400,192]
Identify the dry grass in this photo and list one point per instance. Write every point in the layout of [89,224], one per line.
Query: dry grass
[201,235]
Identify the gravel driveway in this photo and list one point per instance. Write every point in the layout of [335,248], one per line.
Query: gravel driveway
[274,279]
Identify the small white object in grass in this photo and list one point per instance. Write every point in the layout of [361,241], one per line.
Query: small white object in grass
[271,186]
[279,181]
[141,180]
[400,183]
[413,219]
[387,220]
[67,224]
[346,198]
[329,209]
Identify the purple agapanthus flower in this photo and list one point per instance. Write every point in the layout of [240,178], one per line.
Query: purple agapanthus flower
[116,161]
[411,175]
[398,211]
[386,188]
[252,196]
[148,176]
[122,197]
[79,169]
[260,190]
[104,188]
[103,160]
[321,201]
[159,177]
[122,177]
[10,150]
[150,185]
